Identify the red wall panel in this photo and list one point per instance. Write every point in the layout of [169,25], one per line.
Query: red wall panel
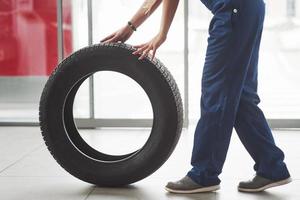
[28,36]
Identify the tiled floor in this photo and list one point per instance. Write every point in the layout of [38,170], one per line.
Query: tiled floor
[27,170]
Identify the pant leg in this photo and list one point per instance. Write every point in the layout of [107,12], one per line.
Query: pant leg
[253,129]
[231,43]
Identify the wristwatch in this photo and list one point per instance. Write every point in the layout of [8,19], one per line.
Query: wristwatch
[131,26]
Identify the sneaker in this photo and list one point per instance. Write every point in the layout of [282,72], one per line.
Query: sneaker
[187,185]
[258,184]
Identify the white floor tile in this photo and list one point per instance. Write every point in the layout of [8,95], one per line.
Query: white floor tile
[16,142]
[43,188]
[30,172]
[38,163]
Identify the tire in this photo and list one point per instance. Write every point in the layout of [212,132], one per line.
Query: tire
[63,139]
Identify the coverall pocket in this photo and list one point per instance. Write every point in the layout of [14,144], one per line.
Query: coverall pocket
[226,14]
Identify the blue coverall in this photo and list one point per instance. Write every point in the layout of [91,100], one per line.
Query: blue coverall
[229,94]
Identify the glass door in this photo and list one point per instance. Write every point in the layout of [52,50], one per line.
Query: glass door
[279,68]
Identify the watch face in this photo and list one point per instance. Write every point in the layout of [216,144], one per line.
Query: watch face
[131,25]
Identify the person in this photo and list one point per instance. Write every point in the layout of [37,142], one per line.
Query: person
[229,96]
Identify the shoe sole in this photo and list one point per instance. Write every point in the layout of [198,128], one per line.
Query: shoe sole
[278,183]
[203,189]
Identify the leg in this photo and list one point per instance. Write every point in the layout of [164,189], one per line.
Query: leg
[231,44]
[253,130]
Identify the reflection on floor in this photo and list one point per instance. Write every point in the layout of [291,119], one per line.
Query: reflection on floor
[28,171]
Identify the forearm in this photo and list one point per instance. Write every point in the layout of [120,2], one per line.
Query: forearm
[169,10]
[147,8]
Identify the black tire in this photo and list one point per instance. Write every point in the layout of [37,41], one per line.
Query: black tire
[63,139]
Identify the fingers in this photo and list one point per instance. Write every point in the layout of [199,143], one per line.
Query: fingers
[145,53]
[115,39]
[144,50]
[108,37]
[112,39]
[140,49]
[153,53]
[140,45]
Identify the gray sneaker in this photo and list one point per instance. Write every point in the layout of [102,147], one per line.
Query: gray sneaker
[187,185]
[258,184]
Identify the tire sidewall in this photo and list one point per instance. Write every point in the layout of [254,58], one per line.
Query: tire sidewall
[163,135]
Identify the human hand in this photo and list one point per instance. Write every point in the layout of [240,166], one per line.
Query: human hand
[153,45]
[120,35]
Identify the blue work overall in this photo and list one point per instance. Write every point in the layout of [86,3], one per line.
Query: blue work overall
[229,94]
